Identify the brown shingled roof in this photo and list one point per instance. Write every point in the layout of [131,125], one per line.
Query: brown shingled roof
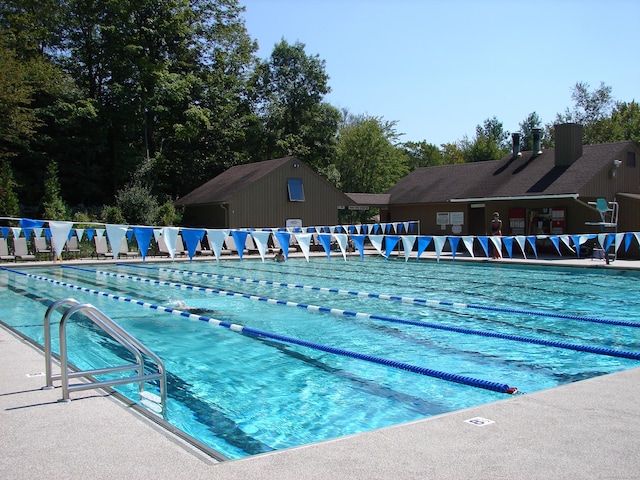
[507,177]
[221,188]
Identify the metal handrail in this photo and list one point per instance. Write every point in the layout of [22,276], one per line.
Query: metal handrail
[117,333]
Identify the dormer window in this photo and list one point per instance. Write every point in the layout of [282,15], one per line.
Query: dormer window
[296,191]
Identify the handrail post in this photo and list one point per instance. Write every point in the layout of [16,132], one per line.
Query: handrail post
[118,334]
[47,337]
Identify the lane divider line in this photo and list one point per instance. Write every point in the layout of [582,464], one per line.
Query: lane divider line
[348,313]
[397,298]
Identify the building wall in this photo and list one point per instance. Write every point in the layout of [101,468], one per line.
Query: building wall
[611,180]
[266,204]
[538,217]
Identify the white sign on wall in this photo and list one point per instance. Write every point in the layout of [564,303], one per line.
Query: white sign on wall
[456,218]
[294,223]
[442,218]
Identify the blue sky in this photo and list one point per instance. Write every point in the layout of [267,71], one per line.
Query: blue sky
[439,68]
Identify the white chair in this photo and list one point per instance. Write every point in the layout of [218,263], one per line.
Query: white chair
[20,249]
[42,249]
[102,249]
[4,250]
[71,247]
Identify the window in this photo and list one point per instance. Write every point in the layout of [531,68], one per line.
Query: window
[296,192]
[631,159]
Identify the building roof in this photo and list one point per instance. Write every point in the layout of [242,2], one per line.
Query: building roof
[370,199]
[221,188]
[527,175]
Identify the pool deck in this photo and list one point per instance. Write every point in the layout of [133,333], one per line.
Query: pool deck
[588,429]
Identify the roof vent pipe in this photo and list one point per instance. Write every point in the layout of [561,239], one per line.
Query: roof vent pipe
[536,141]
[515,138]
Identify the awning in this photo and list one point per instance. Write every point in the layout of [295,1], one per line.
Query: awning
[516,197]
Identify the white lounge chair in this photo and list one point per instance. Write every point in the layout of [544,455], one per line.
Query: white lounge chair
[4,251]
[102,249]
[42,249]
[179,249]
[20,249]
[205,252]
[72,248]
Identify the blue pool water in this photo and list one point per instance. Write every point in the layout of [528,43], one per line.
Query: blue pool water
[243,395]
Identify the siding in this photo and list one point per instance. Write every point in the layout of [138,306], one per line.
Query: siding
[266,202]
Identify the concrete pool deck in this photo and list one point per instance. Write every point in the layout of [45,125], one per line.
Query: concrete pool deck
[587,429]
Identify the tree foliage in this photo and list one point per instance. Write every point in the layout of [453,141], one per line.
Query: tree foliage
[289,89]
[422,154]
[8,198]
[368,159]
[490,143]
[590,109]
[54,207]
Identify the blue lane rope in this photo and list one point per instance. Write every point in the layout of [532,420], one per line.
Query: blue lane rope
[450,377]
[348,313]
[397,298]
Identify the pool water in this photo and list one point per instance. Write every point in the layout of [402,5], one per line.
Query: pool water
[243,395]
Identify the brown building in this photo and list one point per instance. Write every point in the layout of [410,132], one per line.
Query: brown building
[273,193]
[535,192]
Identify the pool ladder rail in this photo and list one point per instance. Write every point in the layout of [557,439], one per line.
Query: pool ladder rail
[153,402]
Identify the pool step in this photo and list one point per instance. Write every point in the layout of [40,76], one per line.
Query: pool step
[151,401]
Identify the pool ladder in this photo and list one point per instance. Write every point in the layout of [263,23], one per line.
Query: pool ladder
[151,401]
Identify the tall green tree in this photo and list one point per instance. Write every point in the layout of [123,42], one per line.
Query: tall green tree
[452,153]
[369,158]
[490,143]
[9,206]
[168,79]
[526,131]
[289,88]
[624,122]
[422,154]
[591,109]
[54,207]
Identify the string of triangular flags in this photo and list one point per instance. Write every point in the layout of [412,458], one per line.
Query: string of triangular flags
[385,238]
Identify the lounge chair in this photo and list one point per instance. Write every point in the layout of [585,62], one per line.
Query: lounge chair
[20,249]
[124,250]
[180,250]
[102,250]
[72,248]
[230,244]
[4,251]
[164,250]
[205,252]
[42,249]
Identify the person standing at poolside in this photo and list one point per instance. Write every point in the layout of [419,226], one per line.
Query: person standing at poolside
[496,229]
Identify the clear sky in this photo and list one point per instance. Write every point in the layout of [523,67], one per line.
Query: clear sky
[439,68]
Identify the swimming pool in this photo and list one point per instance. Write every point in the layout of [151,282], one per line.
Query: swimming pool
[244,394]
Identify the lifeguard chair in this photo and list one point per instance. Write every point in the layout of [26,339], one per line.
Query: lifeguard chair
[608,221]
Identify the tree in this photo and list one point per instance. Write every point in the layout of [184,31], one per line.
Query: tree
[422,154]
[368,159]
[288,92]
[490,143]
[624,123]
[137,204]
[9,206]
[590,109]
[526,131]
[52,202]
[452,153]
[168,79]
